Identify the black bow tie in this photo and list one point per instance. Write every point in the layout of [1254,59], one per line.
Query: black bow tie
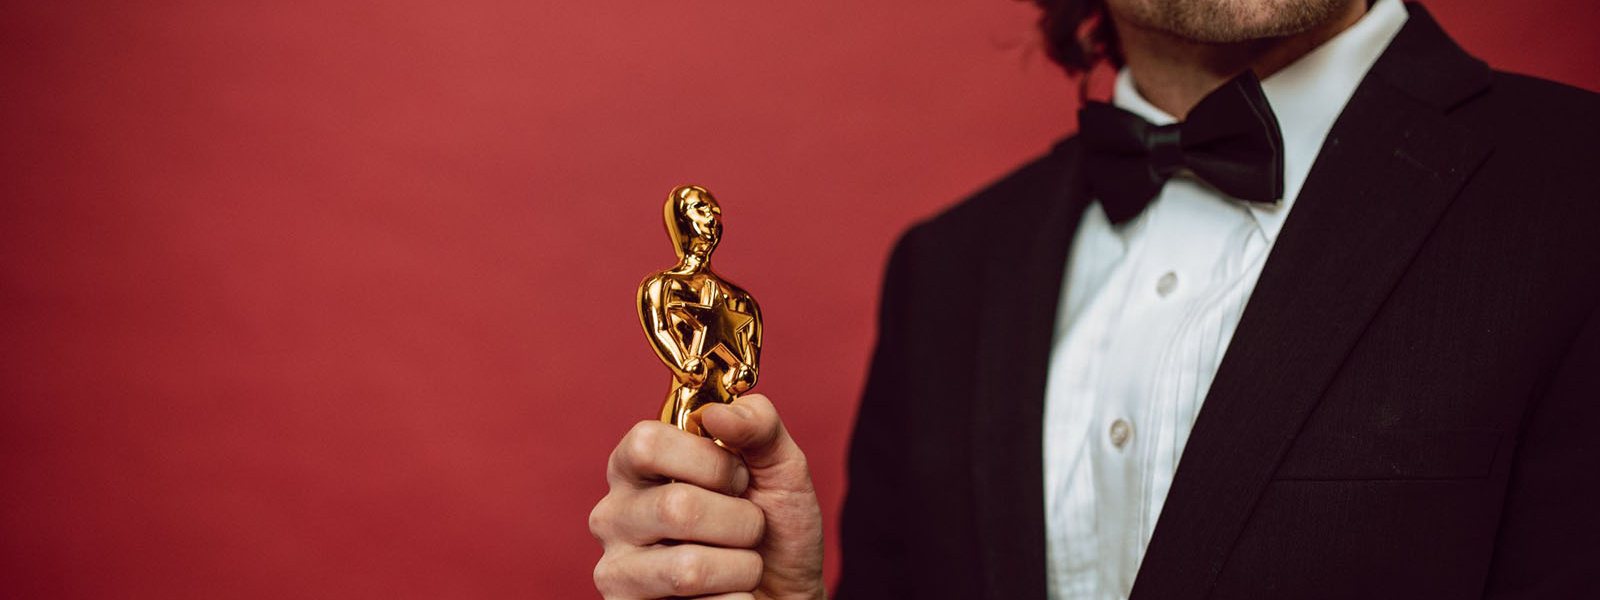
[1230,141]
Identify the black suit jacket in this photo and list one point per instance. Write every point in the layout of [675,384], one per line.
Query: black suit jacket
[1410,407]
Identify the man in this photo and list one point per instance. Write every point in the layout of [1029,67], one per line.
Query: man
[1358,364]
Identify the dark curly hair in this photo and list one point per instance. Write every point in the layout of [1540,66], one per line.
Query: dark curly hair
[1078,34]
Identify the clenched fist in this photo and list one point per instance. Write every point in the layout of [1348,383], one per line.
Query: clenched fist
[685,518]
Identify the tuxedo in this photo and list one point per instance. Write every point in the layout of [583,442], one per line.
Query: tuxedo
[1408,407]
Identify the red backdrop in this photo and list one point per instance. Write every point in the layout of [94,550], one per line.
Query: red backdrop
[335,298]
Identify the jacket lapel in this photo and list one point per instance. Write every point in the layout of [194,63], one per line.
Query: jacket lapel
[1390,166]
[1022,279]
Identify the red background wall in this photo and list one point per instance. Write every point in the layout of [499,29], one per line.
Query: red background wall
[335,299]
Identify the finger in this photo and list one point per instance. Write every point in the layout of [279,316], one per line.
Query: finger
[654,451]
[733,596]
[751,425]
[685,570]
[682,512]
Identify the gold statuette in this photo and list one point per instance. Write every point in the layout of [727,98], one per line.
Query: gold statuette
[706,329]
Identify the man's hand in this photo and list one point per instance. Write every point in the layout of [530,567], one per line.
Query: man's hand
[723,527]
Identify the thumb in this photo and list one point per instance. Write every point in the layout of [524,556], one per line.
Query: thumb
[750,425]
[780,485]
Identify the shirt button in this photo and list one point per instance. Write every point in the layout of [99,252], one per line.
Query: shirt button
[1166,284]
[1120,432]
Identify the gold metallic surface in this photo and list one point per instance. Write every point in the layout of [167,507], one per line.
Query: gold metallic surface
[706,329]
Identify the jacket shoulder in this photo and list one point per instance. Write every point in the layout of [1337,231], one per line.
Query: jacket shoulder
[1536,194]
[1535,89]
[1536,115]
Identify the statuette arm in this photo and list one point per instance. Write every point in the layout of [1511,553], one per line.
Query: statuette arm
[673,352]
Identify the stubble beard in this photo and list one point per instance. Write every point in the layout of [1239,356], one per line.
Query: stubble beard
[1225,21]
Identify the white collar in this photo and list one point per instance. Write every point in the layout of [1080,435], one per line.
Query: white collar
[1307,96]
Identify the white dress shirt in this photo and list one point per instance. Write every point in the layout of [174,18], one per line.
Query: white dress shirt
[1147,311]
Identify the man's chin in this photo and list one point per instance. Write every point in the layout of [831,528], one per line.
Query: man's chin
[1231,21]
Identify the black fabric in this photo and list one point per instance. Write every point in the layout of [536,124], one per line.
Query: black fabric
[1230,140]
[1410,407]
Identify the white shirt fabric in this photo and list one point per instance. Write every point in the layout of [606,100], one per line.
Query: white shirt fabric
[1147,311]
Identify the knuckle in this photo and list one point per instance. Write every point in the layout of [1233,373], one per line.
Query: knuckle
[600,519]
[675,508]
[642,428]
[640,438]
[616,470]
[690,572]
[605,576]
[640,445]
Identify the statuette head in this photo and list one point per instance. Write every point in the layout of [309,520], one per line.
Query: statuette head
[694,222]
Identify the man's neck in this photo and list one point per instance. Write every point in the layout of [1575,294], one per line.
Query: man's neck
[1174,73]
